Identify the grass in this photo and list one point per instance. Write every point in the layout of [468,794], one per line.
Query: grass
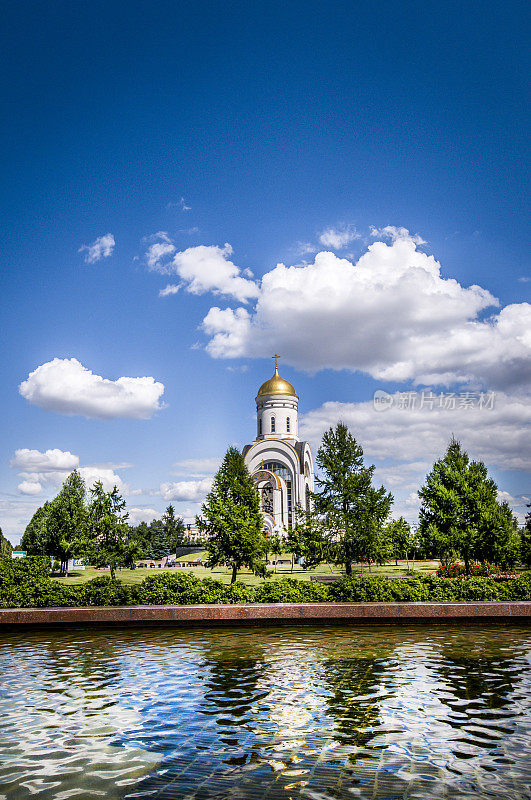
[223,574]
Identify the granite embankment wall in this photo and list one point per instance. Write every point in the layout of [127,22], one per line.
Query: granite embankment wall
[270,614]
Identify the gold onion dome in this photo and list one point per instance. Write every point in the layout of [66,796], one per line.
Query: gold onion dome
[277,385]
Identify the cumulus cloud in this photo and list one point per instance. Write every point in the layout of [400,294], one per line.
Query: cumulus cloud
[394,233]
[49,469]
[404,442]
[338,238]
[102,247]
[209,269]
[138,515]
[185,490]
[67,387]
[391,314]
[157,255]
[171,288]
[205,268]
[30,487]
[49,461]
[500,436]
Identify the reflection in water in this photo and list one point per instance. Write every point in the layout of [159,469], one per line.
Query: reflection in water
[313,712]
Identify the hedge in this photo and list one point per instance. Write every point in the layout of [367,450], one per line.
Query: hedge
[27,583]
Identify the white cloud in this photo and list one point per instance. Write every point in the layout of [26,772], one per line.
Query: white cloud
[108,478]
[499,436]
[184,205]
[208,269]
[404,443]
[185,490]
[157,255]
[138,515]
[51,468]
[171,288]
[198,467]
[338,238]
[391,314]
[49,461]
[67,387]
[304,248]
[14,516]
[394,233]
[102,247]
[30,487]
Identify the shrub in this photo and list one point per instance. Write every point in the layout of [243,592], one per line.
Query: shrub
[104,591]
[182,588]
[290,590]
[24,581]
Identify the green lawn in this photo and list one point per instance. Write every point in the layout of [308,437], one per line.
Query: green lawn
[223,574]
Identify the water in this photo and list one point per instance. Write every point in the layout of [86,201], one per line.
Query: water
[306,712]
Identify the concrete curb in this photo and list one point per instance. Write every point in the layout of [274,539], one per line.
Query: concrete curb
[270,614]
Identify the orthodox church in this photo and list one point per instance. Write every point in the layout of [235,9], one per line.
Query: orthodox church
[280,464]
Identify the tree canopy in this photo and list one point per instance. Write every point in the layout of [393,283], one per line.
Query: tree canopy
[353,510]
[108,536]
[460,513]
[232,520]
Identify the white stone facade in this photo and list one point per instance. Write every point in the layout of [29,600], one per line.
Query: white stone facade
[281,465]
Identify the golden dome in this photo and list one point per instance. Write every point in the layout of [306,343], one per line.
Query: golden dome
[276,385]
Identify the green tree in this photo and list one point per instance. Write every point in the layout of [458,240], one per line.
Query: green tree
[109,542]
[402,542]
[232,520]
[160,545]
[460,513]
[354,511]
[35,538]
[174,528]
[5,546]
[66,520]
[310,538]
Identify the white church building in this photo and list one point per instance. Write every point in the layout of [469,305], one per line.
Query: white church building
[280,464]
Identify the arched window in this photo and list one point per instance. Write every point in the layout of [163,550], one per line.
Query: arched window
[272,424]
[287,424]
[260,426]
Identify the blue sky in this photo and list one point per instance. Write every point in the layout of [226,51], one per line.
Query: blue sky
[284,131]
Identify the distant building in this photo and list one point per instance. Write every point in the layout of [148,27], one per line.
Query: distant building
[280,463]
[18,554]
[192,532]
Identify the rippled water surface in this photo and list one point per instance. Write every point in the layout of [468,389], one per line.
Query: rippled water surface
[312,712]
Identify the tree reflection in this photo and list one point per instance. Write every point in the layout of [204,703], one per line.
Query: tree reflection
[354,699]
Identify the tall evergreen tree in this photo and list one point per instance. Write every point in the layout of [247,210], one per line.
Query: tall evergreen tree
[232,520]
[109,541]
[174,528]
[353,509]
[66,521]
[460,512]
